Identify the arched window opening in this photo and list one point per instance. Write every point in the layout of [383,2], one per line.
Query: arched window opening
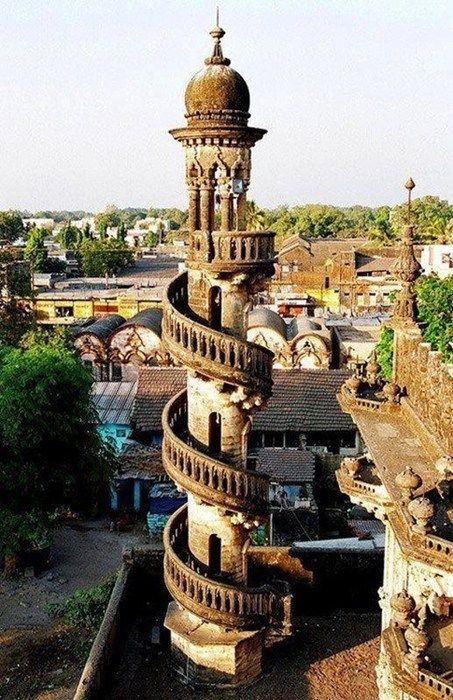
[215,554]
[215,433]
[215,307]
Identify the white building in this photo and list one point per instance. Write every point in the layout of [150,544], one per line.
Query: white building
[437,258]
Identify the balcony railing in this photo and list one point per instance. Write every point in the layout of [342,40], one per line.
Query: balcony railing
[206,477]
[217,354]
[221,603]
[231,249]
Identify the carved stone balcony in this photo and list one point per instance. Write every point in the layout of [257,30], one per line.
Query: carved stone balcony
[422,683]
[213,353]
[363,487]
[210,479]
[214,601]
[231,250]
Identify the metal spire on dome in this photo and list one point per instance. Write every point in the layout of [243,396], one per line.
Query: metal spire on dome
[217,57]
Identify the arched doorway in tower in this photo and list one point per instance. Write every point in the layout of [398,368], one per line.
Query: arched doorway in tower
[215,554]
[215,433]
[215,308]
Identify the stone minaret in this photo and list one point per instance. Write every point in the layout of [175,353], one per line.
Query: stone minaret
[218,623]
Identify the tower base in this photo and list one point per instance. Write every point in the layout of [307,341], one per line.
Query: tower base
[204,654]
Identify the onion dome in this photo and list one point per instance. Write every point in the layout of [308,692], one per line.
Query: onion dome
[217,93]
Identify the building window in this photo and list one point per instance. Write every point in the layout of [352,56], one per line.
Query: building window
[292,439]
[327,282]
[116,372]
[347,439]
[256,439]
[64,311]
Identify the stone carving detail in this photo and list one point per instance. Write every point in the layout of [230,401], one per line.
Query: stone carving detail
[427,384]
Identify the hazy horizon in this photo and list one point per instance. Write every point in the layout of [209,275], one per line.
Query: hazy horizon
[354,96]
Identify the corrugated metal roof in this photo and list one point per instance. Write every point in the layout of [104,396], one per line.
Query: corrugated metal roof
[114,401]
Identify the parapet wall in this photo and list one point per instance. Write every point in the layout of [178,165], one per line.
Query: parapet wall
[428,384]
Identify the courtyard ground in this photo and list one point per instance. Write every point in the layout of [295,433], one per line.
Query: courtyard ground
[332,658]
[41,659]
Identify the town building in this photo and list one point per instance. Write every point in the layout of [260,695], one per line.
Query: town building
[406,480]
[437,259]
[343,275]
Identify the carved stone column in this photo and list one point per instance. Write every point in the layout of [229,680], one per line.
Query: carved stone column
[241,209]
[194,205]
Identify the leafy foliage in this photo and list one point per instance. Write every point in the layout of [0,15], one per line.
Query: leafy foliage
[384,353]
[435,310]
[51,454]
[431,217]
[18,530]
[98,257]
[69,235]
[36,253]
[11,226]
[86,608]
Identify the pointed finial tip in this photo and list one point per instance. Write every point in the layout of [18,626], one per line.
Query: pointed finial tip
[410,184]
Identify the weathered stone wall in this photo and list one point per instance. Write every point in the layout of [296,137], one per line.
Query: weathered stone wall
[205,398]
[206,520]
[428,383]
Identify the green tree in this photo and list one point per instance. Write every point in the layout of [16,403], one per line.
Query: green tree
[51,454]
[35,251]
[435,310]
[11,226]
[427,212]
[110,218]
[384,352]
[121,232]
[69,236]
[151,239]
[380,230]
[255,217]
[100,257]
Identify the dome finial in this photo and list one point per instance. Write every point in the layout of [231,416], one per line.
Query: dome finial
[217,54]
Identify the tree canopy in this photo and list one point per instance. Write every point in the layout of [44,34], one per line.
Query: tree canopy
[51,454]
[100,257]
[435,311]
[11,226]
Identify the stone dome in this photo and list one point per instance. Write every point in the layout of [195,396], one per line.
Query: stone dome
[217,91]
[217,88]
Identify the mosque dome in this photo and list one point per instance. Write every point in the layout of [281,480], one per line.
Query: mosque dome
[217,92]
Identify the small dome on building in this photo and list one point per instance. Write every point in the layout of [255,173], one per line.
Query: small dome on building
[217,92]
[261,316]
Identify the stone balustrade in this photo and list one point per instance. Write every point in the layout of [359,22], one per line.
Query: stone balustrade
[231,249]
[217,602]
[208,478]
[424,684]
[373,497]
[217,354]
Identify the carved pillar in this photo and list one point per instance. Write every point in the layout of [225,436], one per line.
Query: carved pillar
[194,205]
[206,204]
[241,209]
[225,208]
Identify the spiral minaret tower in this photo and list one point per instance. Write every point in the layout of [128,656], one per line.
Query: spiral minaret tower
[219,624]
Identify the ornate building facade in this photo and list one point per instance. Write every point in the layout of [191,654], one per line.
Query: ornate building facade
[406,479]
[219,624]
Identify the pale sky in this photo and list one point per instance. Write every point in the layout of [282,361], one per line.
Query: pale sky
[356,96]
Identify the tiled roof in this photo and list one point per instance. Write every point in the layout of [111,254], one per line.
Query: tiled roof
[377,265]
[141,463]
[286,466]
[156,386]
[114,401]
[305,400]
